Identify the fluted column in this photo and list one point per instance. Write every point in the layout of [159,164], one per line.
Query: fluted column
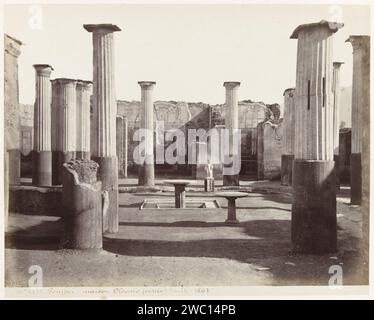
[83,123]
[336,125]
[64,129]
[42,155]
[146,169]
[288,140]
[360,111]
[231,124]
[105,110]
[314,226]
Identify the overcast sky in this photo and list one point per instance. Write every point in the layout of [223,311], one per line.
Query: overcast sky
[189,50]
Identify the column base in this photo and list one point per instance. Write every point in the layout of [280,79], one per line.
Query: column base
[286,169]
[108,175]
[83,155]
[356,179]
[232,180]
[231,221]
[140,175]
[14,166]
[314,223]
[337,172]
[55,162]
[42,168]
[58,159]
[147,175]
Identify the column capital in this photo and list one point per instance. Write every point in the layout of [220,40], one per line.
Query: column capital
[289,91]
[64,81]
[231,84]
[328,25]
[12,45]
[146,84]
[43,69]
[359,41]
[106,27]
[84,83]
[337,64]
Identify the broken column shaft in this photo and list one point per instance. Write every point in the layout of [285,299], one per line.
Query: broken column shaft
[82,203]
[314,225]
[231,178]
[105,110]
[146,169]
[288,141]
[360,111]
[42,155]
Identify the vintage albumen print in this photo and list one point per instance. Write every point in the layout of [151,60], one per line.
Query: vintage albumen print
[185,149]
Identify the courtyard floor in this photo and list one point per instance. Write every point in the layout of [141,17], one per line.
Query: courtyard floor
[187,247]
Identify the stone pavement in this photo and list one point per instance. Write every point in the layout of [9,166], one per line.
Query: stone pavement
[169,247]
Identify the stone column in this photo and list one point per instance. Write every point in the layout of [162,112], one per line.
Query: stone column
[12,125]
[314,225]
[360,111]
[42,155]
[120,143]
[336,106]
[83,123]
[288,137]
[231,123]
[105,111]
[125,146]
[64,129]
[147,170]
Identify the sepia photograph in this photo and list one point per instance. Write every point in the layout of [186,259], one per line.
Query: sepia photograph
[185,149]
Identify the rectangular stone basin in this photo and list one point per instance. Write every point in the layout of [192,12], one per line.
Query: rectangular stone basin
[170,204]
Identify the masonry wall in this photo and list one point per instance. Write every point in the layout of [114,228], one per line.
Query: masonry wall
[171,115]
[11,92]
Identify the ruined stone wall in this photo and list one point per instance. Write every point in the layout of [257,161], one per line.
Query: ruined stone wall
[269,150]
[11,93]
[27,124]
[170,115]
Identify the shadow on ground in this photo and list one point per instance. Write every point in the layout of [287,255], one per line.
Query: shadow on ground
[43,236]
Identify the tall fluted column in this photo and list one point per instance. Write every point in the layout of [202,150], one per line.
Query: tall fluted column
[231,124]
[42,155]
[64,129]
[105,111]
[147,169]
[288,141]
[360,111]
[336,106]
[314,225]
[84,91]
